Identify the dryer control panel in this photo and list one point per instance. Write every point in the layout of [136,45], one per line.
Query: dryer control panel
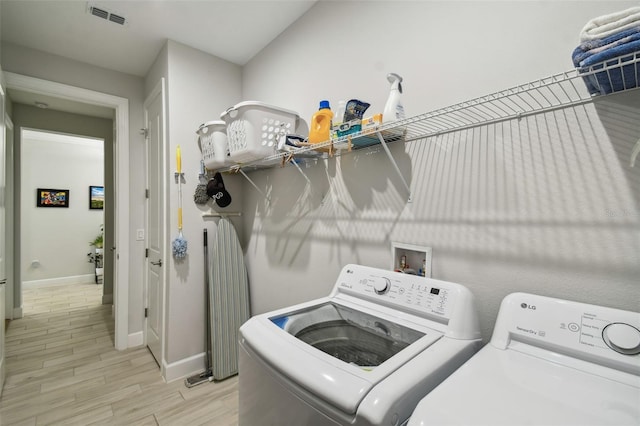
[401,291]
[590,332]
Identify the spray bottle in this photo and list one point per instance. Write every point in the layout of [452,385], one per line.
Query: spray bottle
[393,109]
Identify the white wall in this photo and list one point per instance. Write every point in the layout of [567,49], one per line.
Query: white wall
[546,204]
[55,241]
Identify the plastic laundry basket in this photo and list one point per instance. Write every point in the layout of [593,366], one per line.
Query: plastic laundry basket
[254,128]
[213,144]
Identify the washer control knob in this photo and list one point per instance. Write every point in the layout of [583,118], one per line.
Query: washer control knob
[622,338]
[381,285]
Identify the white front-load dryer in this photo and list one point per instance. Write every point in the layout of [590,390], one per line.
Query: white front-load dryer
[550,362]
[364,355]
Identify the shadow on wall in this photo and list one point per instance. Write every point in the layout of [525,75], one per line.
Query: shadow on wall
[293,197]
[368,172]
[547,190]
[552,190]
[619,116]
[336,199]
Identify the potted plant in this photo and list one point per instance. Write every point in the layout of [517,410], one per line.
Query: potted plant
[98,241]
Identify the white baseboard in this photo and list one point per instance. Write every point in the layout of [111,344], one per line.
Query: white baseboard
[17,313]
[135,339]
[184,368]
[107,299]
[76,279]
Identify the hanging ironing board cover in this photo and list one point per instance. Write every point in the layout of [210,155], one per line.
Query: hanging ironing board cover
[229,299]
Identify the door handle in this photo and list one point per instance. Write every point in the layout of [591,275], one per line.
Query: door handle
[158,263]
[3,281]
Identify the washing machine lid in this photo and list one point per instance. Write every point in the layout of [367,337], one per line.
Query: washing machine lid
[531,386]
[335,351]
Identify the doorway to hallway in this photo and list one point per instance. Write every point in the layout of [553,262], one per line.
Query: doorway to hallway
[121,186]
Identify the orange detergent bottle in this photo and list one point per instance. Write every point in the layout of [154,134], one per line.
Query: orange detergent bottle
[320,126]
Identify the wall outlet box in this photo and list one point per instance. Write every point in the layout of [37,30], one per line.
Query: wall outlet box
[411,259]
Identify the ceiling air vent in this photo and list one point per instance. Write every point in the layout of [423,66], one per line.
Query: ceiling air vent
[105,14]
[100,13]
[117,19]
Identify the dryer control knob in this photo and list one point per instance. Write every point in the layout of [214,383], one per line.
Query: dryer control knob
[381,285]
[622,338]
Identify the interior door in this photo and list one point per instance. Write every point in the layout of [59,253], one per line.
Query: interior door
[7,232]
[154,119]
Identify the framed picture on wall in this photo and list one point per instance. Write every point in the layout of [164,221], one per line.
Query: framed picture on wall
[47,197]
[96,197]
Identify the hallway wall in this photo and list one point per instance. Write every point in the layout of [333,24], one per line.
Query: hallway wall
[55,240]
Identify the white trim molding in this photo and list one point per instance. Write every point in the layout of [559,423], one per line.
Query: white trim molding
[121,141]
[75,279]
[184,368]
[135,339]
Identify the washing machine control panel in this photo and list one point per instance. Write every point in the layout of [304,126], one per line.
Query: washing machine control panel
[400,291]
[589,331]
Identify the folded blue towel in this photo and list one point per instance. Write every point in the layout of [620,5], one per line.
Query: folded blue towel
[612,80]
[589,48]
[592,44]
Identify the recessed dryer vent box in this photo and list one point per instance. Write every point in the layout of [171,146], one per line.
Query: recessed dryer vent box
[410,258]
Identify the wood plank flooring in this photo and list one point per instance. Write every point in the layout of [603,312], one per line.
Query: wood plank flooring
[62,369]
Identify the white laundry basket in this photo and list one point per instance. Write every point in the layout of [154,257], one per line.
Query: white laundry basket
[213,144]
[254,128]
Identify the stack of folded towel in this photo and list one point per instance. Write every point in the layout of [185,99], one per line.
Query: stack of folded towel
[604,42]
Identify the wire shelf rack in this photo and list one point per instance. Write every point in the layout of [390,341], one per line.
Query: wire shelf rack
[570,88]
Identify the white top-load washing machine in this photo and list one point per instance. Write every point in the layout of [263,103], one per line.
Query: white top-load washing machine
[364,355]
[549,362]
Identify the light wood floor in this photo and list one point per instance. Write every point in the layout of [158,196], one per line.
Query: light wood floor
[62,369]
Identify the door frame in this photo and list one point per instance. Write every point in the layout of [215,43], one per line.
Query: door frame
[9,218]
[121,165]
